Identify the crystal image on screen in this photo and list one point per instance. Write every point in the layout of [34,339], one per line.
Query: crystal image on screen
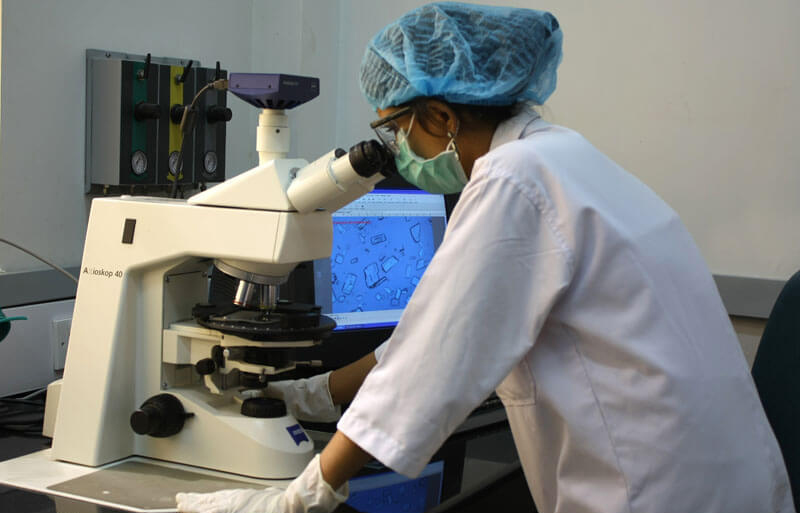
[376,264]
[382,244]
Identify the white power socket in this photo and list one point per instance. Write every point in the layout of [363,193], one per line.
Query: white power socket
[59,336]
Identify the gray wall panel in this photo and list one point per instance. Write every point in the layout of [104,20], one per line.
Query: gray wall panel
[31,287]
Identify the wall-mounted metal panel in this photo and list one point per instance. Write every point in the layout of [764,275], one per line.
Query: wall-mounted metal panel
[126,108]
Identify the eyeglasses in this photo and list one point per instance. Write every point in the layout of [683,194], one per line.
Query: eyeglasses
[386,128]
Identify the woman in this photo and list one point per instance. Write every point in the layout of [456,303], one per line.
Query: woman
[563,283]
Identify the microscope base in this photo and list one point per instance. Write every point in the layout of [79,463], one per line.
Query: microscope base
[219,437]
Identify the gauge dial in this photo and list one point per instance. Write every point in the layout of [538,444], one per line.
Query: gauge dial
[210,162]
[173,163]
[139,163]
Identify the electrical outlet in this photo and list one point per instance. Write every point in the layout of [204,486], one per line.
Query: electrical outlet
[59,336]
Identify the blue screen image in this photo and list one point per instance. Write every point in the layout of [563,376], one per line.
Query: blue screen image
[377,262]
[382,244]
[392,493]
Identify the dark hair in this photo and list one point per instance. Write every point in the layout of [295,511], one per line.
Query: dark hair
[484,114]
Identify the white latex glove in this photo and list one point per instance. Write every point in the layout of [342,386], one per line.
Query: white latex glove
[308,493]
[306,399]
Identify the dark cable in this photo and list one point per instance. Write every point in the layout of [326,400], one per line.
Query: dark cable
[21,417]
[14,400]
[34,255]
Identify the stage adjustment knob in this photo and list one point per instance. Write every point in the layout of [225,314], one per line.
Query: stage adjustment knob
[263,408]
[205,366]
[160,416]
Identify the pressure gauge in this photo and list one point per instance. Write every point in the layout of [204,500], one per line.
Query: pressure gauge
[210,162]
[173,163]
[139,163]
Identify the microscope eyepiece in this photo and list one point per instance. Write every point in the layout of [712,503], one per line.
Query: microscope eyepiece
[370,157]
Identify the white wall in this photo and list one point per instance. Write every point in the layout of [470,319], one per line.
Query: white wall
[695,98]
[698,99]
[1,65]
[302,37]
[42,204]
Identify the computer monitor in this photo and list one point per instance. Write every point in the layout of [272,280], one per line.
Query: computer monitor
[382,244]
[388,492]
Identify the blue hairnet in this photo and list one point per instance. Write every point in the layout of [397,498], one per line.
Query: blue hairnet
[463,53]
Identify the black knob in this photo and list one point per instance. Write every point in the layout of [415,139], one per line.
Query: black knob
[143,111]
[176,113]
[217,113]
[160,416]
[370,157]
[263,408]
[205,366]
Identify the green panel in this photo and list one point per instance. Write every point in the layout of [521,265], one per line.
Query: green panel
[139,128]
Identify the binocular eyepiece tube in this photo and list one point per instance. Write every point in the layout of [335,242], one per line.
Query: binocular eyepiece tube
[338,177]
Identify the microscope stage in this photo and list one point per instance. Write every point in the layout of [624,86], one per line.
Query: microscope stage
[286,323]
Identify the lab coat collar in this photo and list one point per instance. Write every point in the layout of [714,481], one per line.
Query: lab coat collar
[524,121]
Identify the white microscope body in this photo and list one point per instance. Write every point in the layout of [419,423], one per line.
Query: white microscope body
[145,266]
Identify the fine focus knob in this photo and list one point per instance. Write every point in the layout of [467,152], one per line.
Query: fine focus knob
[160,416]
[217,113]
[263,408]
[205,366]
[144,111]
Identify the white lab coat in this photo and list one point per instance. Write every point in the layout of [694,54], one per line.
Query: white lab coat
[568,286]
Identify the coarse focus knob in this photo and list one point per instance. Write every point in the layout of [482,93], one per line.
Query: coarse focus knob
[143,111]
[160,416]
[263,408]
[217,113]
[205,366]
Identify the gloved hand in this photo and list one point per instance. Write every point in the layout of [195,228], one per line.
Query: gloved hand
[308,493]
[306,399]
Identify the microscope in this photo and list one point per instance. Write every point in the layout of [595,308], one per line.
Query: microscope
[153,369]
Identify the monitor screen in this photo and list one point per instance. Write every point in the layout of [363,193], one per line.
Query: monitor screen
[388,492]
[382,243]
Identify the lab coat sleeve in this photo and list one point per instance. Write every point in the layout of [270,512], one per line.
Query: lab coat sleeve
[474,315]
[380,350]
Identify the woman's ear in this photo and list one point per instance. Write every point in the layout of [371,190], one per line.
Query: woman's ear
[441,119]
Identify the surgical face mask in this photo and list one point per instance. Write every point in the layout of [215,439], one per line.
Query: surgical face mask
[442,174]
